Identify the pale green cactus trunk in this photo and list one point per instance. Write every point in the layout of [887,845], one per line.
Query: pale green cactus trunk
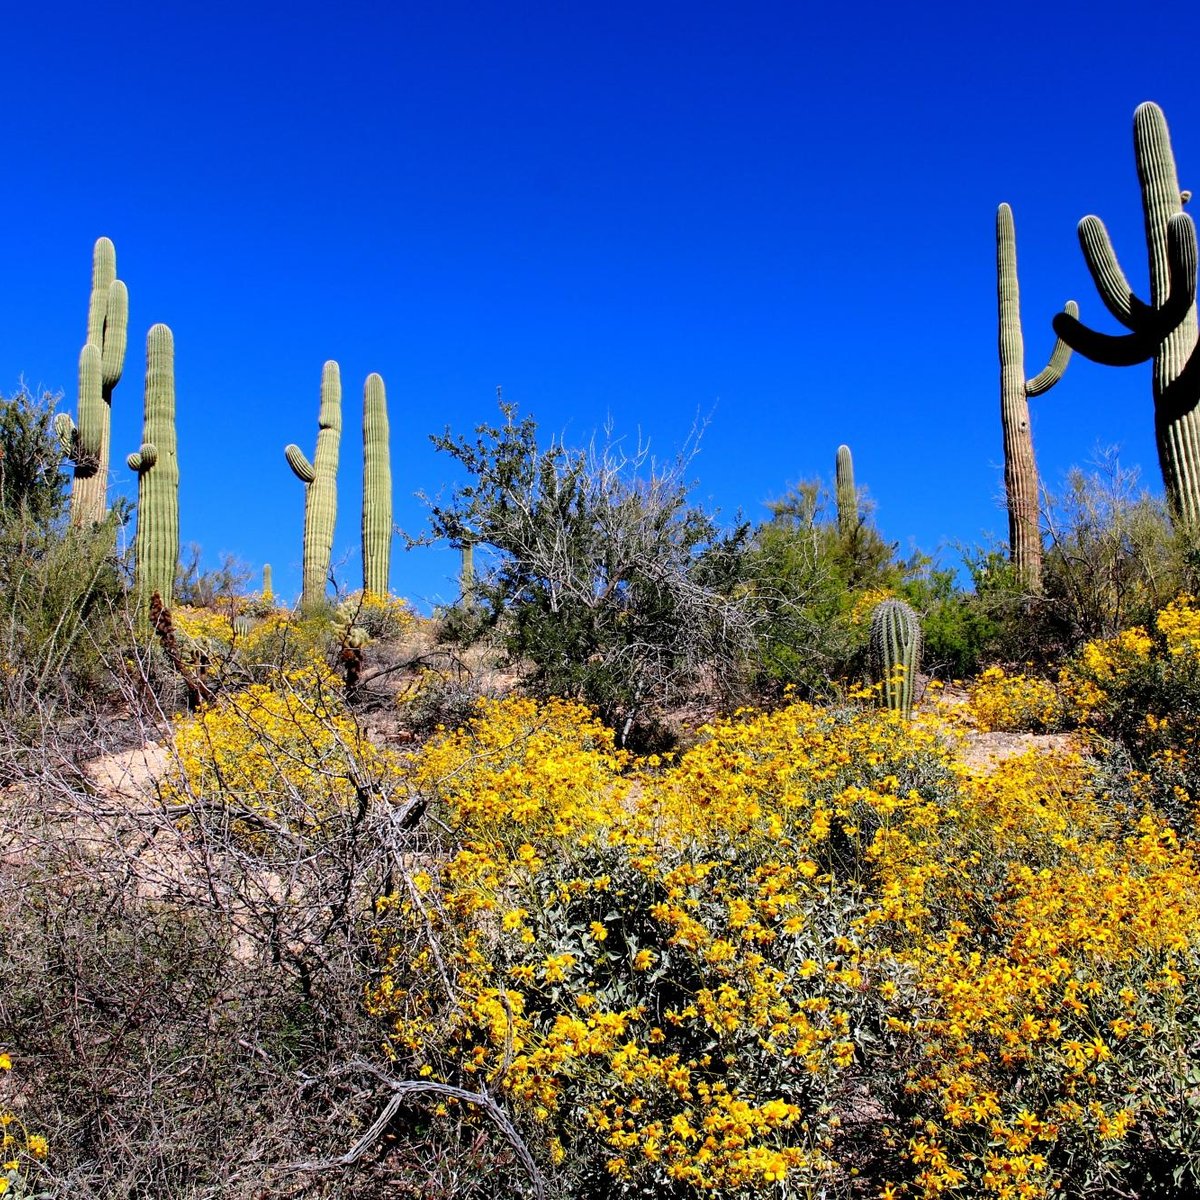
[156,546]
[1163,329]
[320,486]
[466,574]
[846,493]
[895,654]
[377,489]
[1020,467]
[87,443]
[267,591]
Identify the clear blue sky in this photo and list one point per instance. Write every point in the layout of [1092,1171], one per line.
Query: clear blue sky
[779,215]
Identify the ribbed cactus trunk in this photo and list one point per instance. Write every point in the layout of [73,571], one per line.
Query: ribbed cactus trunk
[1020,468]
[466,573]
[377,489]
[268,592]
[1165,328]
[156,546]
[88,443]
[895,654]
[320,486]
[845,493]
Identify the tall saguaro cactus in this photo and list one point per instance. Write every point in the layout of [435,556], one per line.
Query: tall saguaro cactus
[895,653]
[88,442]
[156,546]
[845,492]
[320,485]
[1020,466]
[1164,328]
[377,489]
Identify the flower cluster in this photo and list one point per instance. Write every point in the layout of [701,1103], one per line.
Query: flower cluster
[277,758]
[1014,703]
[719,973]
[20,1150]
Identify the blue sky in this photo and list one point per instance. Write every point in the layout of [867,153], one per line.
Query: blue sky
[778,216]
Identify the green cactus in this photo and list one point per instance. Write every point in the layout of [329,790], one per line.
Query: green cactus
[1020,466]
[267,591]
[87,444]
[377,489]
[320,486]
[846,493]
[466,574]
[895,653]
[156,546]
[1163,329]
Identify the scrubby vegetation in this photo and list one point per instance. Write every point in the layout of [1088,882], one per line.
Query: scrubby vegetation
[349,901]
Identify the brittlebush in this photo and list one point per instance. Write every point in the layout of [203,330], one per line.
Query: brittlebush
[20,1150]
[811,947]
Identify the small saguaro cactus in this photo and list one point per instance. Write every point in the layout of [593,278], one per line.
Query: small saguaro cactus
[895,653]
[1020,466]
[846,493]
[320,485]
[267,591]
[87,443]
[156,547]
[377,489]
[1163,329]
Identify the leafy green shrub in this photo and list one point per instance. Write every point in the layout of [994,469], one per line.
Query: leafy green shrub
[605,579]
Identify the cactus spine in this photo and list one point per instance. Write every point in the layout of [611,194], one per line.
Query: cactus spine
[156,546]
[1020,466]
[320,486]
[895,653]
[846,493]
[1165,328]
[377,489]
[88,443]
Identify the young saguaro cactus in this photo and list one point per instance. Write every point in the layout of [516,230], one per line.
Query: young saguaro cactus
[895,653]
[1163,329]
[156,546]
[88,443]
[1020,466]
[846,493]
[377,489]
[320,485]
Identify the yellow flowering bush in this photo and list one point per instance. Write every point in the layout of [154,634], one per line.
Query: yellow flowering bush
[281,757]
[381,616]
[1014,703]
[20,1150]
[811,947]
[1141,691]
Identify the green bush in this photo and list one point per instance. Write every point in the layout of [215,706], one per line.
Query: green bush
[604,578]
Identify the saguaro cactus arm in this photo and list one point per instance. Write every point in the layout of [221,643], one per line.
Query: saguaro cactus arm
[298,461]
[1164,327]
[1053,371]
[1150,326]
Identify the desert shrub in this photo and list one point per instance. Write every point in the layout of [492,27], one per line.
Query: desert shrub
[604,578]
[277,760]
[383,618]
[1112,557]
[804,953]
[1014,702]
[1140,690]
[813,585]
[21,1151]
